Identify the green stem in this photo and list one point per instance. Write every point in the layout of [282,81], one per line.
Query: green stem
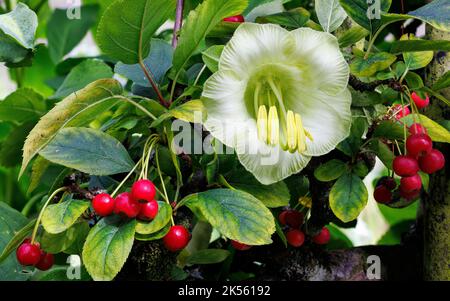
[26,209]
[224,182]
[199,75]
[38,221]
[404,124]
[125,179]
[162,183]
[137,105]
[372,40]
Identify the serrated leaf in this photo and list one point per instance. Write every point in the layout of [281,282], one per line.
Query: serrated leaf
[78,109]
[330,13]
[82,75]
[208,256]
[22,105]
[211,57]
[436,132]
[89,151]
[236,214]
[20,25]
[389,130]
[348,197]
[375,62]
[58,218]
[126,28]
[330,170]
[158,223]
[274,195]
[64,33]
[107,247]
[57,243]
[199,23]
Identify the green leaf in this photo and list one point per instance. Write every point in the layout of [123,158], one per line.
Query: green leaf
[158,223]
[159,61]
[211,57]
[22,105]
[348,197]
[436,132]
[294,18]
[78,109]
[57,243]
[416,60]
[443,82]
[358,10]
[208,256]
[89,151]
[435,13]
[186,112]
[107,247]
[59,273]
[330,13]
[126,28]
[351,145]
[58,218]
[199,23]
[366,98]
[375,62]
[20,25]
[82,75]
[389,130]
[274,195]
[236,214]
[418,45]
[252,4]
[383,152]
[13,230]
[154,236]
[330,170]
[414,81]
[11,148]
[352,36]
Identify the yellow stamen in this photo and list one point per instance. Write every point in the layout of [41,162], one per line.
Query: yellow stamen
[301,136]
[261,123]
[273,127]
[308,134]
[291,130]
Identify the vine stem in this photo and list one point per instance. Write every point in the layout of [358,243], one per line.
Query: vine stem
[38,221]
[162,183]
[178,22]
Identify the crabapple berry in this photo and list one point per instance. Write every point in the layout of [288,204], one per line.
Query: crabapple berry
[103,204]
[405,166]
[143,190]
[177,238]
[240,246]
[28,254]
[402,111]
[323,237]
[420,102]
[235,19]
[46,261]
[382,194]
[293,218]
[126,205]
[295,237]
[388,182]
[417,128]
[148,211]
[408,184]
[432,162]
[410,195]
[419,144]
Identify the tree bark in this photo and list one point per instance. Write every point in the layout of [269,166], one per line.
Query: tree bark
[436,205]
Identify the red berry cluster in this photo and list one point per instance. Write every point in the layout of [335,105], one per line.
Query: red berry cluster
[31,254]
[402,111]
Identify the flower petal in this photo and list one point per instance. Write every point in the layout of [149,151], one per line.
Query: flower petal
[319,53]
[254,45]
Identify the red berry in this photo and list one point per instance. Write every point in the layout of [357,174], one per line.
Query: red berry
[240,246]
[143,190]
[408,184]
[388,182]
[282,217]
[177,238]
[419,144]
[417,128]
[28,254]
[323,237]
[410,195]
[148,211]
[420,103]
[382,194]
[432,162]
[293,218]
[401,111]
[235,19]
[295,237]
[103,204]
[46,261]
[405,166]
[126,205]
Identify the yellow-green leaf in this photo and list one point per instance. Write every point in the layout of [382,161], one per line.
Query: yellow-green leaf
[436,131]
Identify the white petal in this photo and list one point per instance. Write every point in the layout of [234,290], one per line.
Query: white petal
[254,45]
[328,118]
[319,53]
